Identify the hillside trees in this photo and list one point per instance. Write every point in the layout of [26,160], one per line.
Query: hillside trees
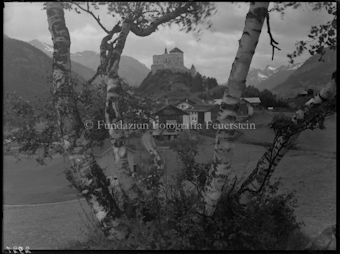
[211,83]
[268,99]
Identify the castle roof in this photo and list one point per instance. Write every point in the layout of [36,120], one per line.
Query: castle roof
[176,50]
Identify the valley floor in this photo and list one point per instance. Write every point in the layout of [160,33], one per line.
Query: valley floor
[51,226]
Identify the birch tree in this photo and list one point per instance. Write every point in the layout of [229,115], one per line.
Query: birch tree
[305,118]
[222,163]
[142,19]
[84,174]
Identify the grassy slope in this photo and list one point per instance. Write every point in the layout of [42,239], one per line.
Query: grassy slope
[312,173]
[27,182]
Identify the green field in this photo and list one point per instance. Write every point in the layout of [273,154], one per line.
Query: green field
[311,170]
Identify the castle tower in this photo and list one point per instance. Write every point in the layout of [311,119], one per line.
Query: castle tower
[179,55]
[193,71]
[166,51]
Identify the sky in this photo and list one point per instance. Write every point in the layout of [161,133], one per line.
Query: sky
[212,55]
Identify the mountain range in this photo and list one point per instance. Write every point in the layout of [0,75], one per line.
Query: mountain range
[27,69]
[289,81]
[269,76]
[130,69]
[312,74]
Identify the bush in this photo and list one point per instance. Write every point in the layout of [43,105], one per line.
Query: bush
[168,217]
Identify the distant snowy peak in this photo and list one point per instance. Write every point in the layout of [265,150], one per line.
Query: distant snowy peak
[262,76]
[271,68]
[47,47]
[266,77]
[268,68]
[295,66]
[76,54]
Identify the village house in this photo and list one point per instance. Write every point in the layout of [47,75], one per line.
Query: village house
[170,116]
[247,105]
[105,159]
[250,104]
[202,113]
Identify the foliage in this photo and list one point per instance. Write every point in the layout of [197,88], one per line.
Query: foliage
[145,17]
[320,37]
[268,99]
[312,119]
[310,92]
[170,221]
[144,13]
[202,83]
[37,131]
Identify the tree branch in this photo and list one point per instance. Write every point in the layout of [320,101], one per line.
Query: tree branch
[163,19]
[92,14]
[271,37]
[104,46]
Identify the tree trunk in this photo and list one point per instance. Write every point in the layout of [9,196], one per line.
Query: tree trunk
[113,116]
[221,165]
[268,162]
[84,174]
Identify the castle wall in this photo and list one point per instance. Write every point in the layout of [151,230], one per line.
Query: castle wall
[172,61]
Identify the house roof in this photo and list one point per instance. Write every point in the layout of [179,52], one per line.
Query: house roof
[176,50]
[202,108]
[252,99]
[303,92]
[170,106]
[249,99]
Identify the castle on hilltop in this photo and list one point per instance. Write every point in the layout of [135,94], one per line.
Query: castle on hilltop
[174,60]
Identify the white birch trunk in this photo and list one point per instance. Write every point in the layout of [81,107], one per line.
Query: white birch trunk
[114,116]
[221,166]
[84,174]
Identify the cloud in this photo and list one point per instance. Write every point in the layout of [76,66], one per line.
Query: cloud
[24,20]
[213,55]
[85,38]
